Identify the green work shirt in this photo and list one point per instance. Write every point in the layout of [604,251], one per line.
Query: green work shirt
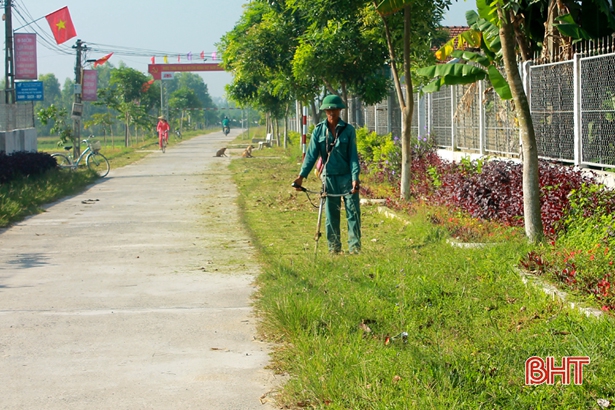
[344,156]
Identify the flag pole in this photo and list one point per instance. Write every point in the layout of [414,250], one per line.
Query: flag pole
[32,22]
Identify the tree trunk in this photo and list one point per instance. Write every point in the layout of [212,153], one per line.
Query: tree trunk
[531,187]
[126,130]
[406,144]
[277,131]
[345,97]
[286,110]
[392,56]
[315,113]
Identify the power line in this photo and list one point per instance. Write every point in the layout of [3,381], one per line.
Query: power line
[141,52]
[44,38]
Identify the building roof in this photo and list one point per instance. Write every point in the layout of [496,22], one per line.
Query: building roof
[453,31]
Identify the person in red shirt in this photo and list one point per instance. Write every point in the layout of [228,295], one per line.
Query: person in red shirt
[163,130]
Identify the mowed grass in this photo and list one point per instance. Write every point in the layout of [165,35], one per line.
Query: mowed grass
[412,322]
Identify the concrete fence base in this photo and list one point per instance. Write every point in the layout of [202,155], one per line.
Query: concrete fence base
[18,140]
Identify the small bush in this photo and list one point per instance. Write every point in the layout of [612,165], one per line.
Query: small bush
[23,164]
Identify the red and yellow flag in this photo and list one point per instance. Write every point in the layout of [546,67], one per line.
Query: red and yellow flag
[61,25]
[102,60]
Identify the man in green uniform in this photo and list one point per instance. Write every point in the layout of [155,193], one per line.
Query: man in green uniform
[336,143]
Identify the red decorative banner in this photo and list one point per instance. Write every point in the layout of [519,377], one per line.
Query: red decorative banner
[156,70]
[89,88]
[25,56]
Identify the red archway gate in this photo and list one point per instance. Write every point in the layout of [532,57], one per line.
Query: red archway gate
[156,70]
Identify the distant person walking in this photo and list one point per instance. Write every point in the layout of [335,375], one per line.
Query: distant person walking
[163,130]
[335,142]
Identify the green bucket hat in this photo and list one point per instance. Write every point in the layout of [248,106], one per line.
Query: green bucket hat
[332,102]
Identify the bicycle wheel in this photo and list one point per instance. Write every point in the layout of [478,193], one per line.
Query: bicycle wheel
[62,160]
[164,145]
[98,163]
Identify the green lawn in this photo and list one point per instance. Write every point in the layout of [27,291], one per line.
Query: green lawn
[340,322]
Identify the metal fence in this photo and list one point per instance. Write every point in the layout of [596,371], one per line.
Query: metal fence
[572,105]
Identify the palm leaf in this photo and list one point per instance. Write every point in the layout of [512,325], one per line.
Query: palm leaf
[487,9]
[568,27]
[471,56]
[452,74]
[499,83]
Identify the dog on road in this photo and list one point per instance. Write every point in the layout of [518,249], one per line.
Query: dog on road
[220,152]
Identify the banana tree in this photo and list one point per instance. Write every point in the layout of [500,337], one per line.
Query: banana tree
[483,36]
[497,16]
[386,8]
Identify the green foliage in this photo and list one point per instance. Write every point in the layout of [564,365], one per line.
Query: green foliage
[483,34]
[24,196]
[258,52]
[102,120]
[427,325]
[590,218]
[433,173]
[590,20]
[58,117]
[128,95]
[378,150]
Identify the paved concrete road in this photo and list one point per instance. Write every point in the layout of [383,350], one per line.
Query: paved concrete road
[134,294]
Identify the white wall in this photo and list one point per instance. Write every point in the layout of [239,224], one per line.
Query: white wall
[18,140]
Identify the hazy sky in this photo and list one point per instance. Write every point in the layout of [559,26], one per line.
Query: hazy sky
[140,26]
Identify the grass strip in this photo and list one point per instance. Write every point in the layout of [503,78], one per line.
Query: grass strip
[411,322]
[25,196]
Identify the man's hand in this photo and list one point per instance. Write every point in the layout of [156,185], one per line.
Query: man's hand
[297,183]
[355,187]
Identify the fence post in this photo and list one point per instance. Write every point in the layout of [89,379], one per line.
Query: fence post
[526,79]
[390,114]
[376,118]
[304,132]
[429,108]
[453,89]
[482,131]
[299,120]
[418,116]
[576,76]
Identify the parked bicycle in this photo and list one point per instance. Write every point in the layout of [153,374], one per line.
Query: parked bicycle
[94,160]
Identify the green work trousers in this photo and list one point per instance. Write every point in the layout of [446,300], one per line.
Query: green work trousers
[341,184]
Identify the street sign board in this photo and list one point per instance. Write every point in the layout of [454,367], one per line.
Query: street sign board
[29,91]
[25,56]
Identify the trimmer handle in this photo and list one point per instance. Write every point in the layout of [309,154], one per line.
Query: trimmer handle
[294,185]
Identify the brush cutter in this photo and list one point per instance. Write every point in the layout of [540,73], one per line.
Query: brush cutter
[323,197]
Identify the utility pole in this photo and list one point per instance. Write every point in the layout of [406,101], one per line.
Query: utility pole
[9,75]
[77,104]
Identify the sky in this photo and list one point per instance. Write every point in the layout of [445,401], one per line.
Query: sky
[142,26]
